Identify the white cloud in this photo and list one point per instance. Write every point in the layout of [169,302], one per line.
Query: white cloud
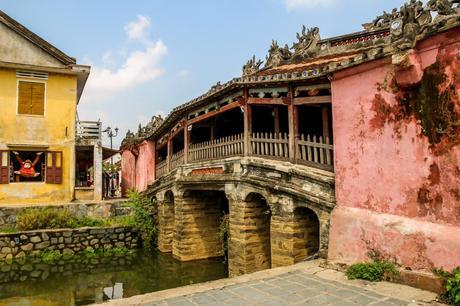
[299,4]
[138,66]
[138,30]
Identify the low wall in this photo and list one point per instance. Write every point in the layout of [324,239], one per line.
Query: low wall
[66,241]
[103,209]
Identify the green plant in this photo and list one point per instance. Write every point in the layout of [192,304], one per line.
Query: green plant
[49,256]
[373,271]
[38,218]
[8,230]
[144,221]
[453,287]
[225,233]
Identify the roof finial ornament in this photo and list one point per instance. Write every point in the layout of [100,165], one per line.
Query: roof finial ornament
[252,66]
[277,55]
[307,41]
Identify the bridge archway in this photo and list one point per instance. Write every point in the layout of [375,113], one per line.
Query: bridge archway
[197,233]
[166,221]
[306,230]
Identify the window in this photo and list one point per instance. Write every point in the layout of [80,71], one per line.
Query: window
[31,98]
[30,166]
[54,167]
[27,166]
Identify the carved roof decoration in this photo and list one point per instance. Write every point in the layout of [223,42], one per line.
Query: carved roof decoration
[313,58]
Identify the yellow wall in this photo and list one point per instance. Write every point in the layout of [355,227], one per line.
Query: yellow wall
[49,130]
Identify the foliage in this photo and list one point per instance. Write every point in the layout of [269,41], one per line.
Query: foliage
[374,271]
[111,169]
[144,221]
[49,218]
[39,218]
[8,230]
[225,233]
[49,256]
[452,295]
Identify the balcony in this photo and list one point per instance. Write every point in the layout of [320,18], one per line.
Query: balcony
[88,130]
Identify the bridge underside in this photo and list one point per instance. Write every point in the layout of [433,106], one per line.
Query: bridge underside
[268,213]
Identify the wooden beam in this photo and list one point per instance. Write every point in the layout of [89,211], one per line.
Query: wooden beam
[312,100]
[155,156]
[247,122]
[293,122]
[325,122]
[186,141]
[170,152]
[215,112]
[269,101]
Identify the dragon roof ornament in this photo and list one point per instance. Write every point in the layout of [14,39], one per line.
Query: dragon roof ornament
[252,66]
[142,132]
[276,55]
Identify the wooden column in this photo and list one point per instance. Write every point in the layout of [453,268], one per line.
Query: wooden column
[325,122]
[155,157]
[276,117]
[170,152]
[247,122]
[186,142]
[293,125]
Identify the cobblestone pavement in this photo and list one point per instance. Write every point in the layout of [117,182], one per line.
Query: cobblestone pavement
[293,288]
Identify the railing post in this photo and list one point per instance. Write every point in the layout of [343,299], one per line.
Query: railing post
[247,122]
[293,124]
[155,156]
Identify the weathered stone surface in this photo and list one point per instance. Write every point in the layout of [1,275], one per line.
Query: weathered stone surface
[35,239]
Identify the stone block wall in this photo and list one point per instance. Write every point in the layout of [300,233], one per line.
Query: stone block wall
[165,226]
[249,244]
[66,241]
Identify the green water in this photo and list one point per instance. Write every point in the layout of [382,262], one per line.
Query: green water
[88,281]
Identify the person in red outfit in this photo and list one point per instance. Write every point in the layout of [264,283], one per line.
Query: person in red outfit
[27,166]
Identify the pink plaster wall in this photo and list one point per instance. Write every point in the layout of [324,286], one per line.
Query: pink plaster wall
[128,175]
[398,195]
[145,165]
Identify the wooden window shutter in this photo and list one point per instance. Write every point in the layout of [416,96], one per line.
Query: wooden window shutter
[31,98]
[54,167]
[4,167]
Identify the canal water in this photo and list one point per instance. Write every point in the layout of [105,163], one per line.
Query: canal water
[95,280]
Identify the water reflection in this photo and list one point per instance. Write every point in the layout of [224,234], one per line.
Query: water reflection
[86,281]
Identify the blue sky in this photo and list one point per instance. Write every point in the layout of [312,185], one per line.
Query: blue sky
[148,56]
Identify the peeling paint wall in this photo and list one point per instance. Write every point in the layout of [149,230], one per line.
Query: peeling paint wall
[145,165]
[397,158]
[55,130]
[128,168]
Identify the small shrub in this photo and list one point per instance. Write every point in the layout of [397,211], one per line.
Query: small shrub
[453,287]
[143,219]
[374,271]
[39,218]
[49,256]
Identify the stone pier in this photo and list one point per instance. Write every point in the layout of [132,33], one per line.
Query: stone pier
[166,222]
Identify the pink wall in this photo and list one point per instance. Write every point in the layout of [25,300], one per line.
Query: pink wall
[128,175]
[145,165]
[397,187]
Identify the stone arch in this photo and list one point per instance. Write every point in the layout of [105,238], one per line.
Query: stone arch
[306,229]
[166,221]
[197,233]
[258,222]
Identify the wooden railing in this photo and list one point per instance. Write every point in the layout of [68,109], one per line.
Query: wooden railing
[270,145]
[89,129]
[315,150]
[217,148]
[177,160]
[161,169]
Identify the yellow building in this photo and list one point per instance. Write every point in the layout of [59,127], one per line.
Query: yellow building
[40,87]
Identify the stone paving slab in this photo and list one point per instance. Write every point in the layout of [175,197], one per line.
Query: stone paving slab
[301,284]
[294,288]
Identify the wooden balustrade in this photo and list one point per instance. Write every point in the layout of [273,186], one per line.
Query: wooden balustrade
[315,150]
[217,148]
[161,169]
[310,150]
[177,160]
[270,145]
